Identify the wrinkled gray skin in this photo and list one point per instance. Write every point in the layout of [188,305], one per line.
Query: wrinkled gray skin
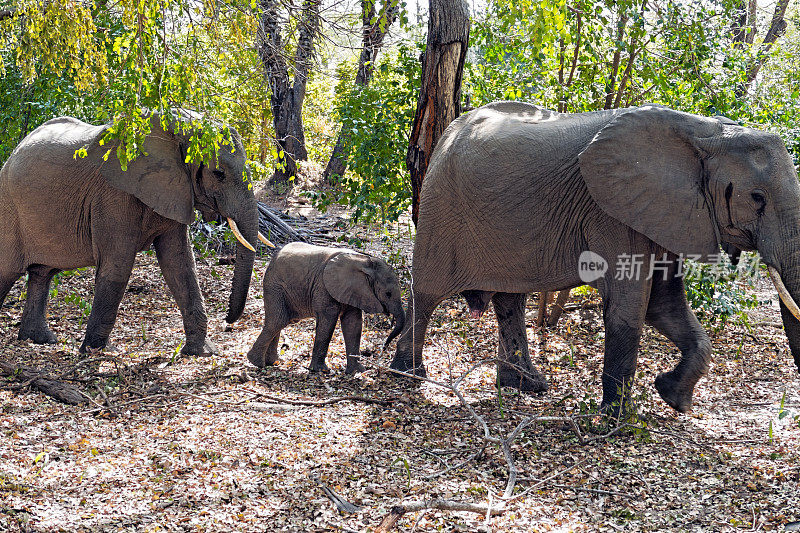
[59,212]
[514,193]
[330,284]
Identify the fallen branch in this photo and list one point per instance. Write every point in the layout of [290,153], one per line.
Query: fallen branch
[35,379]
[396,513]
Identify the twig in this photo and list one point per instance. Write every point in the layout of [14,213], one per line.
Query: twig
[397,512]
[457,466]
[546,480]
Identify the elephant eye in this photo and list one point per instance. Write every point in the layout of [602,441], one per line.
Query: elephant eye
[758,197]
[388,294]
[219,175]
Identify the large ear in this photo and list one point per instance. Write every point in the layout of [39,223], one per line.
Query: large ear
[645,169]
[348,276]
[159,179]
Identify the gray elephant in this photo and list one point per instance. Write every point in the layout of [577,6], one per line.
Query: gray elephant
[331,284]
[517,196]
[60,212]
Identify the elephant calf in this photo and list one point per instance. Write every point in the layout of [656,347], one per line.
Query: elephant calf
[304,280]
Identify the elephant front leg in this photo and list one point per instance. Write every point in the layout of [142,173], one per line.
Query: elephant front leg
[34,323]
[624,307]
[669,312]
[176,259]
[514,366]
[326,323]
[351,331]
[109,287]
[408,355]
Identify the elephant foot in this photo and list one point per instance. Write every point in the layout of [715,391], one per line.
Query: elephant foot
[92,345]
[408,368]
[319,368]
[670,391]
[354,366]
[195,348]
[525,381]
[260,359]
[38,336]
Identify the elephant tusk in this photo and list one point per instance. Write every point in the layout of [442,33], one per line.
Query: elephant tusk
[265,240]
[239,237]
[787,299]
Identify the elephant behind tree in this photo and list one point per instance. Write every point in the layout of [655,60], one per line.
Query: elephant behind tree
[643,186]
[330,284]
[60,212]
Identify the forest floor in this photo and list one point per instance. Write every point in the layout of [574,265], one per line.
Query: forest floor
[211,443]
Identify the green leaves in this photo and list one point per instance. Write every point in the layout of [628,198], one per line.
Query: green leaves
[119,63]
[376,121]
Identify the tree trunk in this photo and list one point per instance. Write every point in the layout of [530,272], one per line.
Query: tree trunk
[286,99]
[440,93]
[373,34]
[777,27]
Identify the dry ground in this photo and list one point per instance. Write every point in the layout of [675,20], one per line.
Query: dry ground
[211,443]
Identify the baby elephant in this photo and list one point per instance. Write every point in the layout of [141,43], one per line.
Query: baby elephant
[303,280]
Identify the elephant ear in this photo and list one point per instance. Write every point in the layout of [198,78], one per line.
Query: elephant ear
[348,277]
[645,169]
[159,179]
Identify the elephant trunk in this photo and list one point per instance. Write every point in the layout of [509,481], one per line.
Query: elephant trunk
[396,309]
[784,270]
[246,220]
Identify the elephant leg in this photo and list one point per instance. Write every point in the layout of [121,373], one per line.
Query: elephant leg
[7,280]
[326,323]
[265,350]
[514,366]
[34,323]
[669,312]
[351,321]
[408,355]
[176,259]
[624,308]
[111,279]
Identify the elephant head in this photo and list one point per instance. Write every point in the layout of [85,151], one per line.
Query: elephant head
[366,282]
[691,183]
[173,188]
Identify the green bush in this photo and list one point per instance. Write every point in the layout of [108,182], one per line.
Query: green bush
[719,293]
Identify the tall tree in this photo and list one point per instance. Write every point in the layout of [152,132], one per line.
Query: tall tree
[440,92]
[374,27]
[745,27]
[287,92]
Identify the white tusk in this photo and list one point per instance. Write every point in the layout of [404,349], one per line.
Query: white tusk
[237,233]
[265,240]
[788,301]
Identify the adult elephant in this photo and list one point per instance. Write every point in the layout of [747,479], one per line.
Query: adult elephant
[60,212]
[517,196]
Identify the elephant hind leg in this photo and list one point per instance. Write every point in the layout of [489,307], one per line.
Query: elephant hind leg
[276,317]
[34,324]
[265,350]
[514,366]
[669,312]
